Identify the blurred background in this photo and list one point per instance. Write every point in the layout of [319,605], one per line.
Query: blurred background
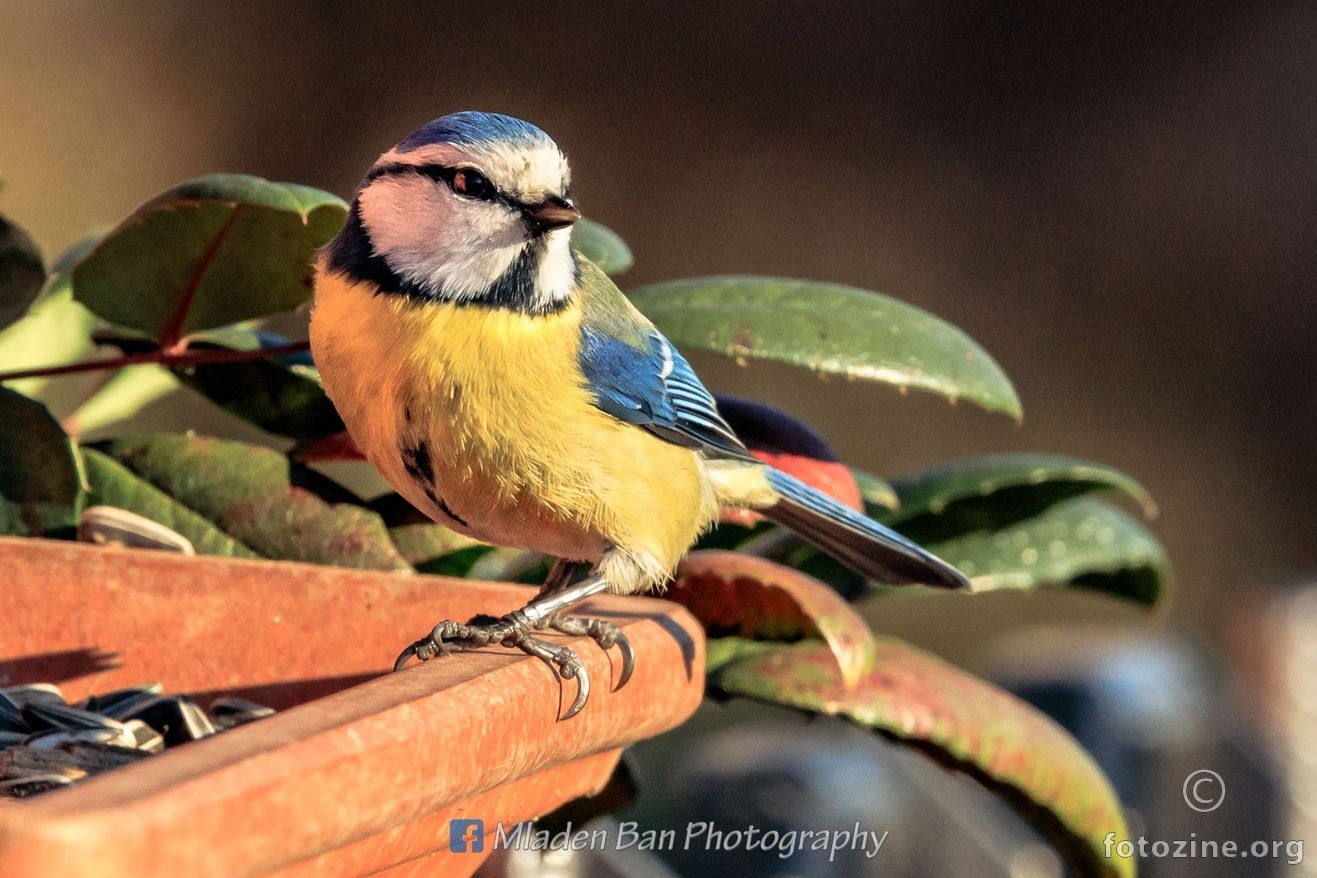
[1118,201]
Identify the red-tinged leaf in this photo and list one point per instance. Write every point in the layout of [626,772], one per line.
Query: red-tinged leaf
[788,444]
[834,479]
[423,545]
[337,446]
[959,720]
[208,253]
[253,494]
[735,594]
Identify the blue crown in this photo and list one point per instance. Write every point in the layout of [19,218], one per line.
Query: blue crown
[473,128]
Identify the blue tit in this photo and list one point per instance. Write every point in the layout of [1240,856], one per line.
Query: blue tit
[504,386]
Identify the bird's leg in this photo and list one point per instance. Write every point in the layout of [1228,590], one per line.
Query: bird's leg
[514,630]
[560,576]
[604,633]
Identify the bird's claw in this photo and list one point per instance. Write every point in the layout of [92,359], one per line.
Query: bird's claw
[628,660]
[412,651]
[582,694]
[569,667]
[449,637]
[512,632]
[606,634]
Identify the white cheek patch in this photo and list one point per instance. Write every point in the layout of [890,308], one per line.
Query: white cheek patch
[460,248]
[455,247]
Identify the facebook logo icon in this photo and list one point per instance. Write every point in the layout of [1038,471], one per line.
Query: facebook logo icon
[466,836]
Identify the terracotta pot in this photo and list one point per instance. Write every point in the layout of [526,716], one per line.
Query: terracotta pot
[361,770]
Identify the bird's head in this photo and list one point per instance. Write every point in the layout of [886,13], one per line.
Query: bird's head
[472,207]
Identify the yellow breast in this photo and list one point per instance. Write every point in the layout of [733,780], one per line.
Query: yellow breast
[480,418]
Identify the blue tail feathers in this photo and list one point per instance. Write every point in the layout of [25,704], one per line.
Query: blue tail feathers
[864,545]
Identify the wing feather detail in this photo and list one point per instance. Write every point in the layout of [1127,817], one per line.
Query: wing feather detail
[656,389]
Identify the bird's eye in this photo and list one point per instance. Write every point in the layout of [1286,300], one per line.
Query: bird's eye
[472,184]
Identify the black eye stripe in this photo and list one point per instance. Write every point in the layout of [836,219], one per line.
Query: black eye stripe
[443,174]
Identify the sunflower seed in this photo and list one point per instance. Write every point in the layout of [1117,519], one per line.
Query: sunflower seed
[176,717]
[46,743]
[24,787]
[109,524]
[121,702]
[11,714]
[232,712]
[144,737]
[60,716]
[52,738]
[35,693]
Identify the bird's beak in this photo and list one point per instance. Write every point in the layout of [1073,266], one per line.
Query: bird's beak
[552,213]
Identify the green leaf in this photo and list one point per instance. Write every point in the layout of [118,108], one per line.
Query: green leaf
[991,491]
[41,485]
[113,484]
[283,396]
[210,252]
[829,329]
[962,722]
[731,593]
[258,498]
[503,564]
[56,331]
[1081,543]
[969,510]
[63,266]
[879,496]
[457,564]
[124,394]
[426,546]
[22,272]
[602,246]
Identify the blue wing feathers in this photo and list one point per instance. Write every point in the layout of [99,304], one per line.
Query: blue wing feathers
[657,389]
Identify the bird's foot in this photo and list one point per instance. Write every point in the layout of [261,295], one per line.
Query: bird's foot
[606,634]
[513,631]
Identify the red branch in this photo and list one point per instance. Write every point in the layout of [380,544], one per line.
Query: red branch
[162,357]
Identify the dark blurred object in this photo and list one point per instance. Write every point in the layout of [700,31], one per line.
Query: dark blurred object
[1152,711]
[1274,642]
[779,780]
[828,775]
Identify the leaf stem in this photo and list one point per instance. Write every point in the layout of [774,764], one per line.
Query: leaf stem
[172,331]
[168,358]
